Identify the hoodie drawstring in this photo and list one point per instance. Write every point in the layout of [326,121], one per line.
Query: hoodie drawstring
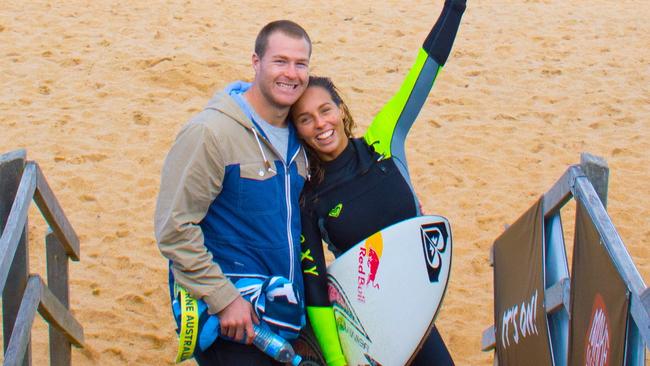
[304,153]
[267,164]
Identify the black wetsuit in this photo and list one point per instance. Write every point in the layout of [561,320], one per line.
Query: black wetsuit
[361,193]
[371,194]
[367,188]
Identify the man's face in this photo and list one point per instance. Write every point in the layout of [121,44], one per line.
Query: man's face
[282,73]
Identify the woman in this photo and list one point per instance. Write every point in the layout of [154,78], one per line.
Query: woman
[360,186]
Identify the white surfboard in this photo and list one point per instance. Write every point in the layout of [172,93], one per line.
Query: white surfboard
[387,289]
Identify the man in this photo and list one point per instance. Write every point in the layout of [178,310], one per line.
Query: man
[227,212]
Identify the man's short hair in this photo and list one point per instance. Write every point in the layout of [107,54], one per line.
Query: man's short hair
[287,27]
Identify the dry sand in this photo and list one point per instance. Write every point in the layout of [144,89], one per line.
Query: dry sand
[96,91]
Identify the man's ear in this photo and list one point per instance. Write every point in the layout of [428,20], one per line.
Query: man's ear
[255,60]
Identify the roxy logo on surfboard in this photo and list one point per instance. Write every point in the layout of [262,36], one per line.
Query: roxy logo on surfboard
[434,242]
[369,259]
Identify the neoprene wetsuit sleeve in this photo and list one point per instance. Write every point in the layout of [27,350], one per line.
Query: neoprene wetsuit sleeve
[319,309]
[388,131]
[326,334]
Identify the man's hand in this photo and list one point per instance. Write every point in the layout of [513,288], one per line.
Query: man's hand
[237,320]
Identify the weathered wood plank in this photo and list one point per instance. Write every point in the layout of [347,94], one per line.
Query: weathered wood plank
[53,213]
[585,193]
[59,316]
[645,299]
[597,171]
[14,291]
[12,166]
[558,295]
[20,336]
[560,193]
[16,221]
[641,315]
[488,339]
[57,279]
[57,268]
[19,154]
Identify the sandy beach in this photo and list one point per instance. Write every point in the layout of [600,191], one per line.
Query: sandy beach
[96,92]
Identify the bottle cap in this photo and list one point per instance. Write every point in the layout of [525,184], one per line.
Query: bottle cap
[296,360]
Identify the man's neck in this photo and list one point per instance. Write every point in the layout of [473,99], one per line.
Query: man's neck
[270,113]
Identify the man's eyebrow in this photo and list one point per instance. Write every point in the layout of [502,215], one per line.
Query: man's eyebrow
[285,57]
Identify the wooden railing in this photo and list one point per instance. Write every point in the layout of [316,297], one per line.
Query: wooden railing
[23,293]
[587,183]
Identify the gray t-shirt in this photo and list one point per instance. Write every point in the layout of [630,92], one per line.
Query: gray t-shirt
[278,136]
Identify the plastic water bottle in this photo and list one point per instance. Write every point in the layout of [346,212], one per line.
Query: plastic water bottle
[275,346]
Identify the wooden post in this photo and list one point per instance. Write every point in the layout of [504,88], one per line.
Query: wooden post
[597,171]
[12,165]
[57,281]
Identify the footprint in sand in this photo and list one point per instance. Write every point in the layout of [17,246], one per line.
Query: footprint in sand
[82,159]
[141,119]
[87,198]
[94,287]
[537,148]
[503,116]
[116,352]
[71,62]
[122,233]
[551,72]
[434,124]
[44,89]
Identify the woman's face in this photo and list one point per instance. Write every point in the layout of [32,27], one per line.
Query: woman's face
[319,122]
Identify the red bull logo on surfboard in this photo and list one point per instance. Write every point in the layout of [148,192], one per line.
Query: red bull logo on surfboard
[369,260]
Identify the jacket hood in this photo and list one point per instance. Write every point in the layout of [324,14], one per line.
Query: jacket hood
[225,102]
[222,101]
